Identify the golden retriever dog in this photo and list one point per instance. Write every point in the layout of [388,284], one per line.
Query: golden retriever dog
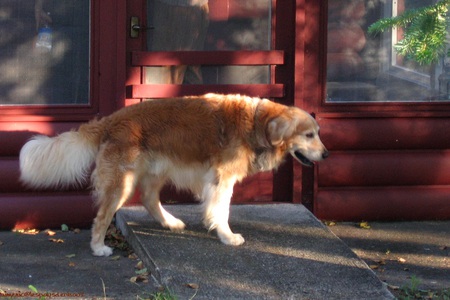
[202,143]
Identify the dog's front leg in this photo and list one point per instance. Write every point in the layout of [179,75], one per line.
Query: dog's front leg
[217,199]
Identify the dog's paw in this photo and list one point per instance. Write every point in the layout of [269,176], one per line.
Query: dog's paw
[176,226]
[234,239]
[102,251]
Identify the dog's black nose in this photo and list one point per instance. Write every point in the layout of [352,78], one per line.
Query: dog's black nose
[325,154]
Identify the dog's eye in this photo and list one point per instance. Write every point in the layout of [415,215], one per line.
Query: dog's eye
[310,135]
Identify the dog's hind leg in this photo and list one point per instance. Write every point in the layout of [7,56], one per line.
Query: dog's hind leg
[150,188]
[217,198]
[114,185]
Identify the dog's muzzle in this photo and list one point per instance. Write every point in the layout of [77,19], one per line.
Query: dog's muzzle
[307,162]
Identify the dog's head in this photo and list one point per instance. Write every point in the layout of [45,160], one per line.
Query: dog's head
[299,133]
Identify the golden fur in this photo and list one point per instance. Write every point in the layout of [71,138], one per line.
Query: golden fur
[205,144]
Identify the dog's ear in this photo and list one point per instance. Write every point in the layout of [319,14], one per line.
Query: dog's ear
[273,122]
[280,128]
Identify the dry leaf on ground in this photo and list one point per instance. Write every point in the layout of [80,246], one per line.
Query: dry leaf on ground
[139,278]
[364,225]
[140,265]
[401,260]
[194,286]
[58,241]
[49,232]
[133,256]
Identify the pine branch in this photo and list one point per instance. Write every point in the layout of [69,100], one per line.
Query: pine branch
[425,31]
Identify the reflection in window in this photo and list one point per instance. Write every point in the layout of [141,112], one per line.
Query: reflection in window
[199,25]
[44,69]
[363,67]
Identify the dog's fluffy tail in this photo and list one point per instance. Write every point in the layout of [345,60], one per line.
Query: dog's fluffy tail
[60,161]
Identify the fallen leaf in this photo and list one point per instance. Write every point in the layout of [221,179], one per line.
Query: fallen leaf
[401,260]
[364,225]
[34,289]
[142,271]
[64,227]
[71,264]
[77,230]
[393,287]
[139,278]
[330,223]
[133,256]
[70,255]
[140,265]
[50,232]
[58,241]
[374,267]
[192,286]
[117,257]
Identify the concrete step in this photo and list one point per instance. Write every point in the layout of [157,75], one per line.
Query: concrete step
[288,254]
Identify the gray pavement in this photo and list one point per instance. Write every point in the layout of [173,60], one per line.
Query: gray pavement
[288,254]
[63,266]
[403,253]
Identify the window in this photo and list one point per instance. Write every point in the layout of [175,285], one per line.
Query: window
[44,52]
[365,68]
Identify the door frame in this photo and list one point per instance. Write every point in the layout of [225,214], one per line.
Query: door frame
[282,57]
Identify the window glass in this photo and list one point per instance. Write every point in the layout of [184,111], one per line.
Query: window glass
[196,25]
[364,67]
[44,52]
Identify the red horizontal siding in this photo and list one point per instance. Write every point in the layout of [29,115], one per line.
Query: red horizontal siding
[14,135]
[257,188]
[385,168]
[46,210]
[385,133]
[9,175]
[393,168]
[9,178]
[383,203]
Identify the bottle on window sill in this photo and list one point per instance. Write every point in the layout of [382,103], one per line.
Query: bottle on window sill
[44,39]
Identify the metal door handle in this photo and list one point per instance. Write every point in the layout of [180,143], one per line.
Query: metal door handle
[135,27]
[138,27]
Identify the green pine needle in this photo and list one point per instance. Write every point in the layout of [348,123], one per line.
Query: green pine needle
[425,31]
